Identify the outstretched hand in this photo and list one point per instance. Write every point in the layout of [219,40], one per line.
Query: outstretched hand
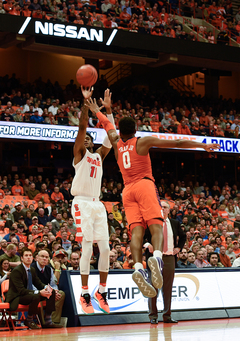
[92,105]
[87,92]
[210,147]
[106,102]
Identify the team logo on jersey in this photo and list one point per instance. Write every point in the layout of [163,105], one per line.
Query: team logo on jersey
[93,162]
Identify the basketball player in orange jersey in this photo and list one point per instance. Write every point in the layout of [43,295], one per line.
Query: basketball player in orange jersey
[140,198]
[89,213]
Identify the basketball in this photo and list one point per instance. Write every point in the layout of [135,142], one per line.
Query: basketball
[87,75]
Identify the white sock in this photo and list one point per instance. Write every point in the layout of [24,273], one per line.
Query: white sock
[157,253]
[138,266]
[102,288]
[85,290]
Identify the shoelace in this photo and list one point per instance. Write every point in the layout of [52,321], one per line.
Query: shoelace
[87,300]
[104,297]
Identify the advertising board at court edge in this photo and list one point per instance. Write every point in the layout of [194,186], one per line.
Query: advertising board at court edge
[190,291]
[45,132]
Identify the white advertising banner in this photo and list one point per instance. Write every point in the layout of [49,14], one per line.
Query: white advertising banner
[55,133]
[195,290]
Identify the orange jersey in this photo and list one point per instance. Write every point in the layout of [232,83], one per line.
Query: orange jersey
[133,167]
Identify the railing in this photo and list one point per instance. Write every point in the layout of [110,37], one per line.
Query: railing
[119,71]
[180,86]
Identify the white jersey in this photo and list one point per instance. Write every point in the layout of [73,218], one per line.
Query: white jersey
[88,176]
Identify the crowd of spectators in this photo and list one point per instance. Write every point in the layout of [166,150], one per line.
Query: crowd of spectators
[153,17]
[218,14]
[209,215]
[153,112]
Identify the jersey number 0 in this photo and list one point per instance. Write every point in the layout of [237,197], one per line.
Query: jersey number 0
[126,160]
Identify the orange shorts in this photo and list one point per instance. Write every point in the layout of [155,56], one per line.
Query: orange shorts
[142,203]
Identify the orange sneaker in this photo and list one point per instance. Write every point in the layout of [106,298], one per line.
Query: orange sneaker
[86,305]
[102,301]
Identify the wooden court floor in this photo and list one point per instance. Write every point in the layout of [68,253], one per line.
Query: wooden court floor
[204,330]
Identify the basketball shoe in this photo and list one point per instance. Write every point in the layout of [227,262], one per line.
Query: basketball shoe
[102,301]
[86,305]
[140,277]
[156,265]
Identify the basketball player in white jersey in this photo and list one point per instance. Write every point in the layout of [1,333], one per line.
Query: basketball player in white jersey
[89,213]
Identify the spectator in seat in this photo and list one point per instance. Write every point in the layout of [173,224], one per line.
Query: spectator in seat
[191,257]
[74,261]
[183,261]
[124,18]
[3,245]
[113,263]
[46,275]
[43,195]
[183,128]
[57,195]
[2,10]
[200,262]
[166,122]
[66,244]
[35,6]
[128,263]
[17,189]
[222,38]
[53,108]
[35,118]
[224,259]
[57,223]
[21,291]
[42,218]
[106,6]
[113,222]
[62,120]
[17,213]
[214,260]
[11,256]
[57,263]
[98,22]
[219,132]
[4,270]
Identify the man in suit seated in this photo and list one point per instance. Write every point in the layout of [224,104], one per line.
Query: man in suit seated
[174,240]
[21,282]
[46,275]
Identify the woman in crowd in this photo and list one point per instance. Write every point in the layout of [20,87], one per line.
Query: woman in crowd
[4,270]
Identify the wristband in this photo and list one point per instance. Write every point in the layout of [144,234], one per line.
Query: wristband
[57,270]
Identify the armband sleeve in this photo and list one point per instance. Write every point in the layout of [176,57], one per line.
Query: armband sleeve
[107,125]
[106,141]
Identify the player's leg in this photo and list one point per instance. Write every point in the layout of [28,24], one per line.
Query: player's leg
[85,299]
[100,234]
[82,214]
[155,262]
[137,226]
[103,267]
[150,208]
[139,276]
[136,242]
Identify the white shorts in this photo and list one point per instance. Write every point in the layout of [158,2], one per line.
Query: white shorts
[92,216]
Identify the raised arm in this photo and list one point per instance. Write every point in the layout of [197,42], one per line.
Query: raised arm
[79,148]
[107,125]
[145,143]
[106,102]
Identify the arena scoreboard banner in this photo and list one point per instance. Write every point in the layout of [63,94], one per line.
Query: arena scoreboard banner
[113,41]
[55,133]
